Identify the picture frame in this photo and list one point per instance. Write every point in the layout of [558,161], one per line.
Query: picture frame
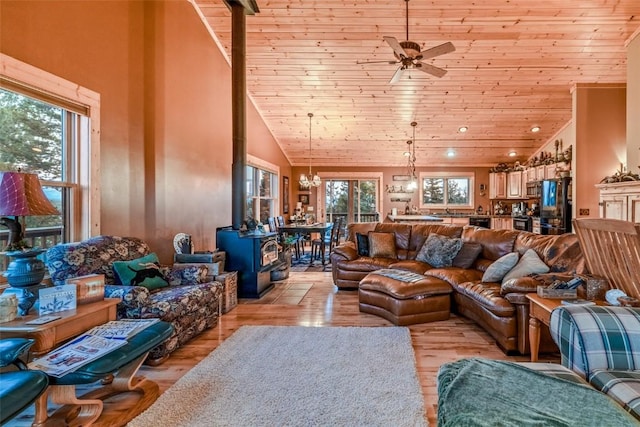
[303,198]
[401,177]
[285,194]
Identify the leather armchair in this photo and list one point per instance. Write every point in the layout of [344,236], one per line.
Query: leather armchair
[22,387]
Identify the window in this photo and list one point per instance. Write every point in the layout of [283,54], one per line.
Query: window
[262,190]
[446,190]
[50,126]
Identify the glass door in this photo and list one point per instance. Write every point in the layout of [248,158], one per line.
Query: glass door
[354,200]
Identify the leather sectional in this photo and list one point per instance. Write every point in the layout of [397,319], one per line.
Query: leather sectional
[502,309]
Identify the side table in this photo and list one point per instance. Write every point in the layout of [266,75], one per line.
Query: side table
[71,324]
[539,311]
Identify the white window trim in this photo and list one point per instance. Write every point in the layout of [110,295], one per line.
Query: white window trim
[88,160]
[269,167]
[471,176]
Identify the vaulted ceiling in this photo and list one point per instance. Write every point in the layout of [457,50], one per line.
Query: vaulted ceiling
[514,65]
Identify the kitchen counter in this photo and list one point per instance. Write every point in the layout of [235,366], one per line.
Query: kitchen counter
[411,218]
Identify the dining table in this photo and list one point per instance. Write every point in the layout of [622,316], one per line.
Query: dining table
[307,229]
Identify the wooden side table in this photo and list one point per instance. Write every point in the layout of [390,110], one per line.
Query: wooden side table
[71,324]
[539,311]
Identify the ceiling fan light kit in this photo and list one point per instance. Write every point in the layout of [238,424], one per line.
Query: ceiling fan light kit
[409,56]
[311,180]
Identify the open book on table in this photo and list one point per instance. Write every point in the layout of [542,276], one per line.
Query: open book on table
[75,354]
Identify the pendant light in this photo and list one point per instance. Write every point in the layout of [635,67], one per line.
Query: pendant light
[308,181]
[411,163]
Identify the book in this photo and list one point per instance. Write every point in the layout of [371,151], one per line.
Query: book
[577,302]
[57,298]
[121,329]
[90,288]
[75,354]
[42,320]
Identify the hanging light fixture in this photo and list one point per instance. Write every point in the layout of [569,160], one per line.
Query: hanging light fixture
[411,162]
[308,181]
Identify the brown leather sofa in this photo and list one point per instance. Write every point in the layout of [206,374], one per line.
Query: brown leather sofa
[501,309]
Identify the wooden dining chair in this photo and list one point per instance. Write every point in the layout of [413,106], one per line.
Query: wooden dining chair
[294,241]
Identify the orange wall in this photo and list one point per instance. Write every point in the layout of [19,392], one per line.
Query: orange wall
[599,117]
[166,134]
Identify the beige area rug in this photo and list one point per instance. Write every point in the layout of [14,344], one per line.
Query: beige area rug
[298,376]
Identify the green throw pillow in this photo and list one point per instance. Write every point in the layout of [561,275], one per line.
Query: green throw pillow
[143,271]
[500,267]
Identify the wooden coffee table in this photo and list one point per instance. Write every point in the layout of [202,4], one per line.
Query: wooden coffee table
[71,324]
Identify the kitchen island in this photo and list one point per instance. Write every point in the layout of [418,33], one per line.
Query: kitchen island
[413,218]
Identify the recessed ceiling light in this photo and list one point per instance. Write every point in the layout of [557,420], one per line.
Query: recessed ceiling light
[512,154]
[451,153]
[406,154]
[463,129]
[535,129]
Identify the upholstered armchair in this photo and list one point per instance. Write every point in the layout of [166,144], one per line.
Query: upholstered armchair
[20,388]
[188,300]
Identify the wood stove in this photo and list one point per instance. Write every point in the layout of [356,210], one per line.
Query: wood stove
[253,255]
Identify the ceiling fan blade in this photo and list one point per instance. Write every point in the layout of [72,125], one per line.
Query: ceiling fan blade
[430,69]
[396,76]
[447,47]
[391,41]
[377,62]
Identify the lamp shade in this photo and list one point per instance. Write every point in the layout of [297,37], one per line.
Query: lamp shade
[21,195]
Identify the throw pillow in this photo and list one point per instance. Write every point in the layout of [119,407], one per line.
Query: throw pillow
[362,241]
[467,255]
[439,251]
[382,245]
[143,271]
[530,263]
[500,267]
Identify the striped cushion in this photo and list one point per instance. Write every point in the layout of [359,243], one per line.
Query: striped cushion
[597,337]
[621,386]
[557,371]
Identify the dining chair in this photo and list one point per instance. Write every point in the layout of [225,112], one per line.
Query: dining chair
[331,238]
[293,240]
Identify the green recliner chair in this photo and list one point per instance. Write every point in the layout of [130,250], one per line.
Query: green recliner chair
[22,387]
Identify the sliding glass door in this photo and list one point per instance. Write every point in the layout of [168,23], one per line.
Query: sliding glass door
[354,200]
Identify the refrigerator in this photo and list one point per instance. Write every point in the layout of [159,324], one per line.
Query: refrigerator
[555,206]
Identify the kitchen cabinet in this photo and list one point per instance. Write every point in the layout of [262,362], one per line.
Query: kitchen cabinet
[540,173]
[455,220]
[531,175]
[550,171]
[516,185]
[498,185]
[502,223]
[620,200]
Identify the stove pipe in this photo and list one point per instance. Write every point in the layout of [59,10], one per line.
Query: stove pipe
[239,113]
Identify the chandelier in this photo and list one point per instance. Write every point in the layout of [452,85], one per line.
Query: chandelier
[411,162]
[308,181]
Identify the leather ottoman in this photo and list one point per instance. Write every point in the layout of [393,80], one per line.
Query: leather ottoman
[404,298]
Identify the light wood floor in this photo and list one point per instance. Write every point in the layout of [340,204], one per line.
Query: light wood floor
[310,299]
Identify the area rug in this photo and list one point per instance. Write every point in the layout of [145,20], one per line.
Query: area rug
[298,376]
[304,264]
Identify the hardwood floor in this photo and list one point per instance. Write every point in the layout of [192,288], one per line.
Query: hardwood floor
[310,299]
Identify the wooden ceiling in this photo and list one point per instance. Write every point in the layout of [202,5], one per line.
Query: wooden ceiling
[514,66]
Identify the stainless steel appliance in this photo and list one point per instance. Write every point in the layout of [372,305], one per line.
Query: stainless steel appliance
[555,206]
[480,221]
[534,189]
[522,223]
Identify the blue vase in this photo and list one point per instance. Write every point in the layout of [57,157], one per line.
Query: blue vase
[26,269]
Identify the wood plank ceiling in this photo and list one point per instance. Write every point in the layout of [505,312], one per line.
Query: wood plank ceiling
[514,65]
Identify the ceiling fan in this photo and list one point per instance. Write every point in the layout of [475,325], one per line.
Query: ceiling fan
[408,54]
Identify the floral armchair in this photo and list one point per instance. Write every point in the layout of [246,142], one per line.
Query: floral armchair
[190,302]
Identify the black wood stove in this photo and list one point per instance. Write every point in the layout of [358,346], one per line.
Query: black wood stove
[253,255]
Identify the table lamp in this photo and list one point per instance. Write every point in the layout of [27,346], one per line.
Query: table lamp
[21,195]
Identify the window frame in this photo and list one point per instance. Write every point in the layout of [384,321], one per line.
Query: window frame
[30,81]
[445,176]
[262,165]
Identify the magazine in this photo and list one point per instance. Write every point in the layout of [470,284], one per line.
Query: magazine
[75,354]
[122,329]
